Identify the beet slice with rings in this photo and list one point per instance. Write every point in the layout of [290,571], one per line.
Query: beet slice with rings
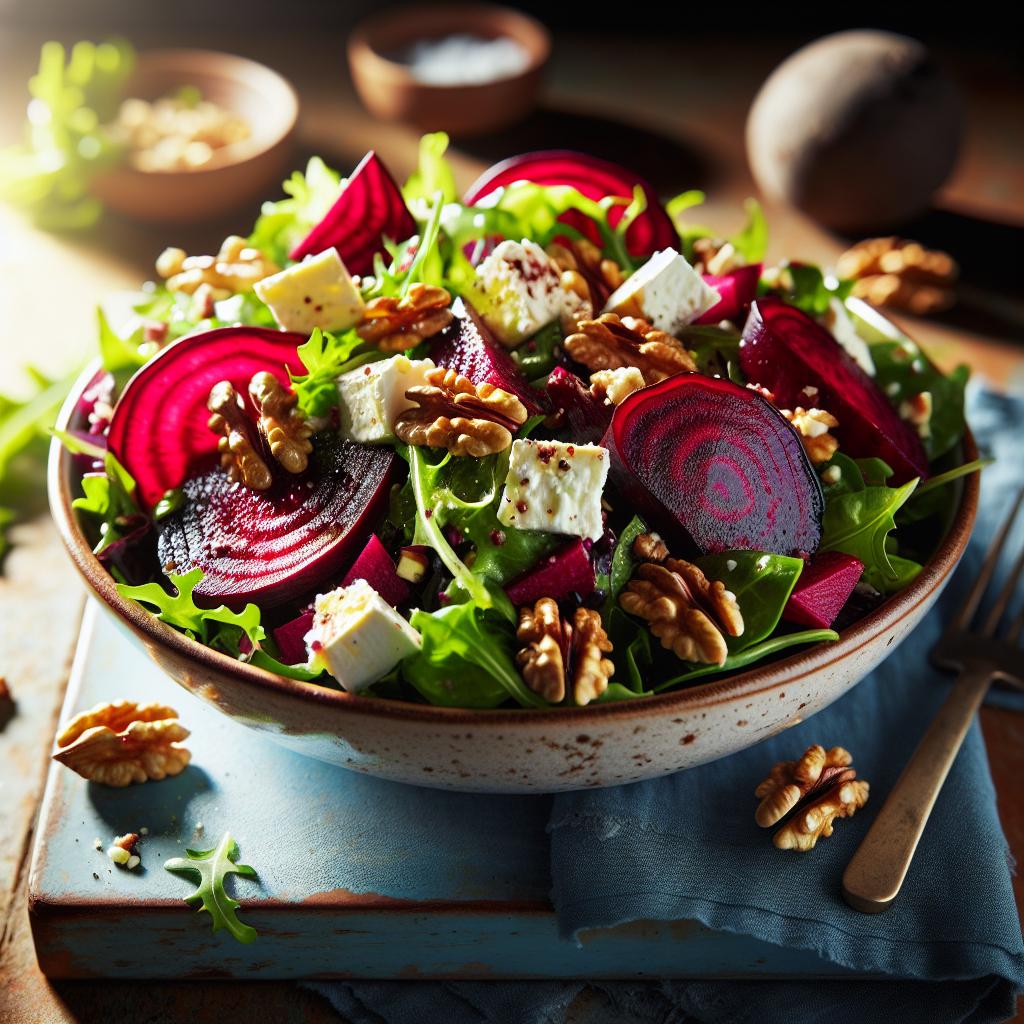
[717,467]
[159,429]
[785,351]
[369,209]
[738,290]
[272,546]
[467,346]
[595,178]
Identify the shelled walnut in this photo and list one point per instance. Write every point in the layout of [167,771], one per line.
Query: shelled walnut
[715,256]
[690,614]
[900,273]
[807,795]
[235,268]
[394,324]
[555,652]
[119,743]
[239,454]
[615,386]
[611,341]
[587,274]
[285,430]
[454,413]
[814,427]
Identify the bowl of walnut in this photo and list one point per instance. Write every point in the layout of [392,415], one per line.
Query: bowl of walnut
[203,132]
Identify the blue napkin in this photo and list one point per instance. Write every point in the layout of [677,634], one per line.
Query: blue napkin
[950,948]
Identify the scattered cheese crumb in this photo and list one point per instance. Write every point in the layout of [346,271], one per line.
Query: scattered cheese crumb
[118,854]
[832,475]
[730,564]
[97,843]
[133,862]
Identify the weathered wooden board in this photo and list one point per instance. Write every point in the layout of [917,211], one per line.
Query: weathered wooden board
[357,877]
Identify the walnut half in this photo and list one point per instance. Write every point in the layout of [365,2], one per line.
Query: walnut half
[808,795]
[238,450]
[286,430]
[454,413]
[611,341]
[394,324]
[119,743]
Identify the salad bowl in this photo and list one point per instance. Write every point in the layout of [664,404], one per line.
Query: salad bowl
[512,751]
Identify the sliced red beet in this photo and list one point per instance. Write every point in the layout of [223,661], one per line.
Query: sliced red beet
[369,209]
[275,545]
[595,178]
[290,639]
[587,418]
[716,466]
[467,346]
[738,289]
[823,588]
[784,350]
[375,565]
[159,430]
[565,571]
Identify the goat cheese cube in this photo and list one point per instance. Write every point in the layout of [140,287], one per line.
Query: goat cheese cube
[318,292]
[666,291]
[373,396]
[357,636]
[555,487]
[517,291]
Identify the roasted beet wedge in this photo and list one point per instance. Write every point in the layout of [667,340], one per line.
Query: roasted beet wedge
[738,289]
[272,546]
[290,639]
[595,178]
[823,588]
[369,209]
[716,466]
[466,345]
[376,566]
[784,350]
[586,417]
[565,571]
[159,430]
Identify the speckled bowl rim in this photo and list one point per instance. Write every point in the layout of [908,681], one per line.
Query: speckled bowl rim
[779,673]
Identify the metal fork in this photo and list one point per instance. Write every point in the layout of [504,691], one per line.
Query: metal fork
[981,655]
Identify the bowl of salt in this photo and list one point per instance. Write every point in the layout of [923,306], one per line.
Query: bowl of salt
[466,69]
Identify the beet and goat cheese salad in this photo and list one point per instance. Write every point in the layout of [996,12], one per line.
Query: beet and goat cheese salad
[547,444]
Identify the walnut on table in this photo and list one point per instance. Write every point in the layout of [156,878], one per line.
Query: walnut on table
[465,418]
[808,795]
[394,324]
[555,652]
[690,614]
[116,744]
[900,273]
[611,342]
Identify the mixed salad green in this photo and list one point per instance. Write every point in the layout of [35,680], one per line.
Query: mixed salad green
[794,461]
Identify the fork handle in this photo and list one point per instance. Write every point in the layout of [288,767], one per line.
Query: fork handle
[873,877]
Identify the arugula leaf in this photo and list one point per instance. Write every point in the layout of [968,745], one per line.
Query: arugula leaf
[762,584]
[433,174]
[211,868]
[284,223]
[261,659]
[465,660]
[750,242]
[903,371]
[109,496]
[859,522]
[931,498]
[751,655]
[326,356]
[203,624]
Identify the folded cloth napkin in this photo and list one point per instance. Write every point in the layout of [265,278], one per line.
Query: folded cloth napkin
[686,847]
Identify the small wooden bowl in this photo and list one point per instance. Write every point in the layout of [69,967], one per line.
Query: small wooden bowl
[236,174]
[390,91]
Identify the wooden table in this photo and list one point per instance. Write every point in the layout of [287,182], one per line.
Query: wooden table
[674,112]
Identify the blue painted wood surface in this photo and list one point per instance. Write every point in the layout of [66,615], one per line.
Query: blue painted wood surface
[357,877]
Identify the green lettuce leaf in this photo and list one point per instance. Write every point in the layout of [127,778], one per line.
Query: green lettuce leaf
[109,498]
[211,868]
[433,174]
[325,356]
[116,353]
[466,660]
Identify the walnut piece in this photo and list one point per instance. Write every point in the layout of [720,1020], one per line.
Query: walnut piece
[900,273]
[813,426]
[454,413]
[807,795]
[615,386]
[611,341]
[649,547]
[236,268]
[690,614]
[554,651]
[715,256]
[119,743]
[396,324]
[285,428]
[238,452]
[587,274]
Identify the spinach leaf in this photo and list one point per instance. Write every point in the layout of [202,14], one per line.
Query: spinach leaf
[616,691]
[931,498]
[742,659]
[762,584]
[623,564]
[810,290]
[537,357]
[465,661]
